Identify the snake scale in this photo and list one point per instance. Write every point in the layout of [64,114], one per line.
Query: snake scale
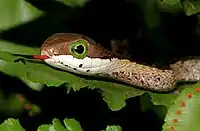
[81,55]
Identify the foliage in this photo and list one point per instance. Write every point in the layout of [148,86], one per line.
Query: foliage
[190,6]
[183,115]
[70,125]
[36,74]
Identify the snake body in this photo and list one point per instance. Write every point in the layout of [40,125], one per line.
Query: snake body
[81,55]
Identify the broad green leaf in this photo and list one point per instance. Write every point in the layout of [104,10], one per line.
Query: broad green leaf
[114,94]
[41,73]
[20,72]
[72,125]
[191,6]
[73,3]
[13,13]
[163,99]
[13,69]
[113,128]
[151,100]
[11,125]
[184,114]
[8,46]
[23,50]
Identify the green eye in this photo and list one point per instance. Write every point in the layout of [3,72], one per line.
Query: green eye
[79,49]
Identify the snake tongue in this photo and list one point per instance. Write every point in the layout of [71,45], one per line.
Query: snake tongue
[40,57]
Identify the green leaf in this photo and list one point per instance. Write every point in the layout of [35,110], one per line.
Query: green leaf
[191,6]
[11,125]
[33,85]
[158,105]
[173,9]
[72,125]
[13,13]
[184,114]
[73,3]
[16,69]
[8,46]
[171,2]
[150,100]
[114,94]
[163,99]
[58,126]
[113,128]
[46,128]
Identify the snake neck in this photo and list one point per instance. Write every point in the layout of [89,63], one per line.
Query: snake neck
[143,76]
[149,77]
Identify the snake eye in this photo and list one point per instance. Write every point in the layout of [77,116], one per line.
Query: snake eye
[79,49]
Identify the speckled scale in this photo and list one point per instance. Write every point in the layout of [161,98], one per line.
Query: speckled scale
[187,70]
[143,76]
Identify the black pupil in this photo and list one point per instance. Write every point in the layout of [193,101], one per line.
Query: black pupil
[79,49]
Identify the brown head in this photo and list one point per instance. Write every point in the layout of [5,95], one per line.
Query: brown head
[62,44]
[76,53]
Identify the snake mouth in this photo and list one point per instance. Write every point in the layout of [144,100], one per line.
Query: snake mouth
[43,56]
[45,53]
[40,57]
[85,66]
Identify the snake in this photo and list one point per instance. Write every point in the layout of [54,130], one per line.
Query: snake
[79,54]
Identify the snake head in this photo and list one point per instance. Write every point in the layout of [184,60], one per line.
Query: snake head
[76,53]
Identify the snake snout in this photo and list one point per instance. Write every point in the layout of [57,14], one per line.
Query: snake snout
[52,50]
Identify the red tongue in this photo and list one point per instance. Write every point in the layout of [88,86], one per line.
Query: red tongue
[40,57]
